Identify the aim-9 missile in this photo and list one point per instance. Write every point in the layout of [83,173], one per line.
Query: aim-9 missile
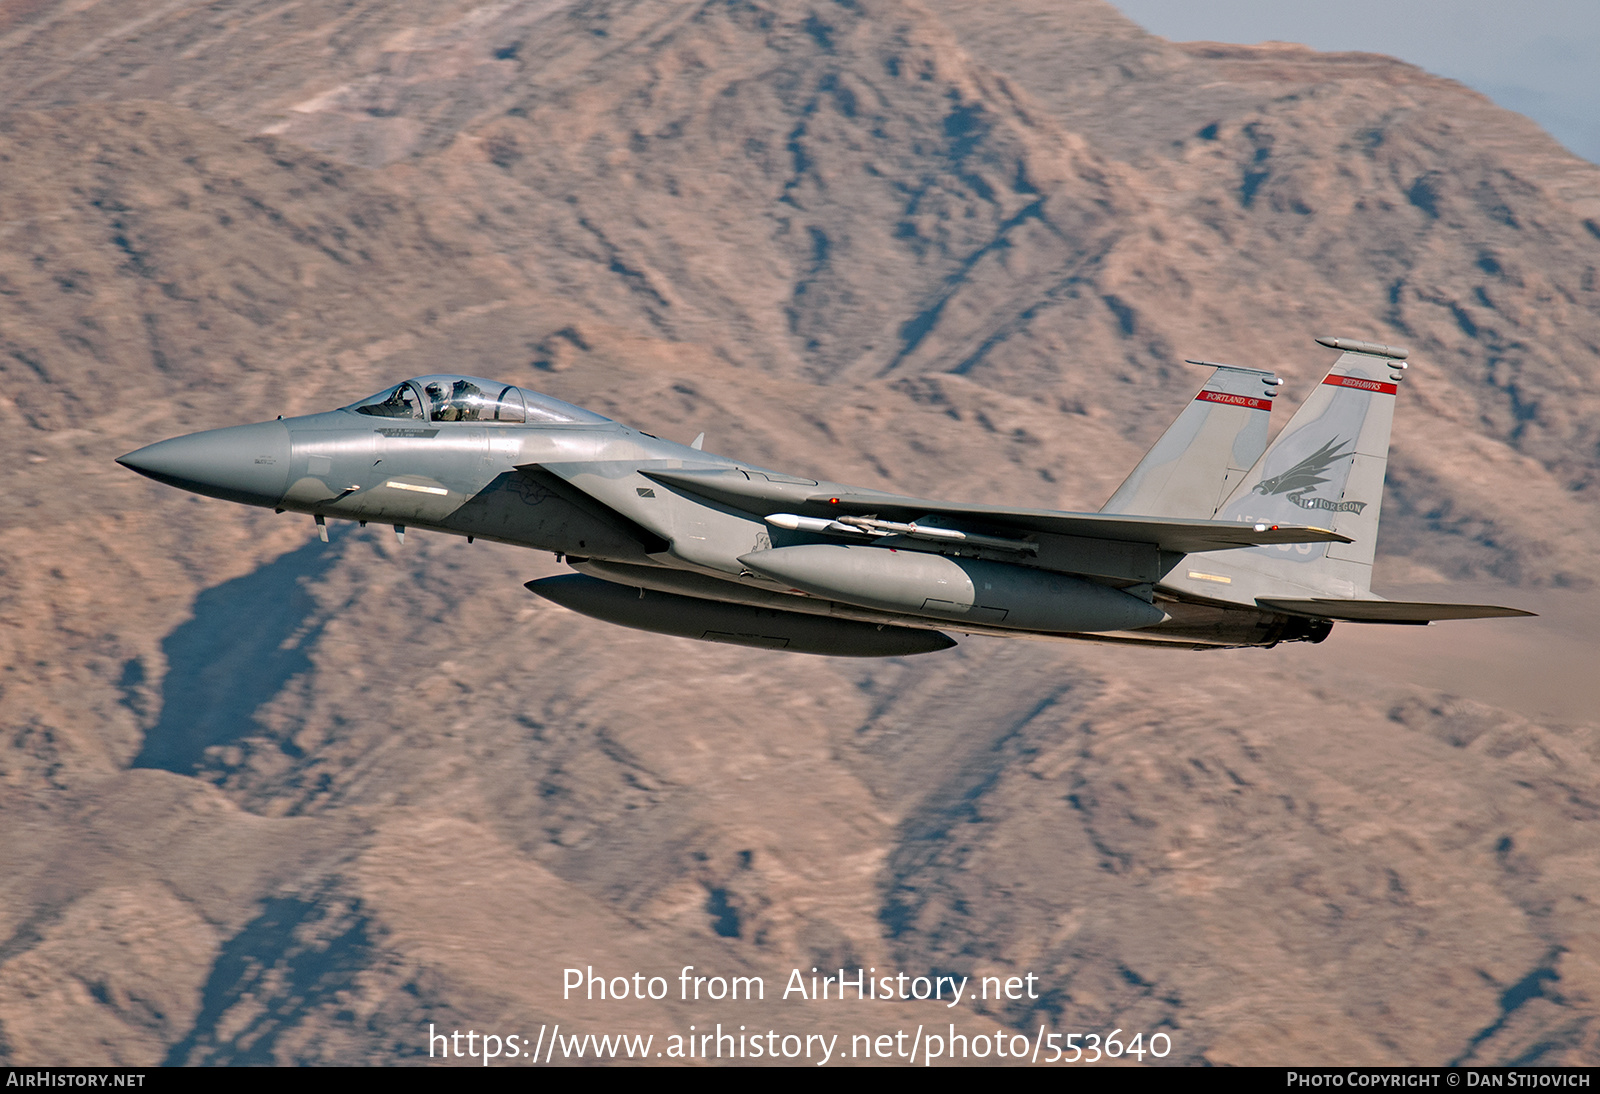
[872,528]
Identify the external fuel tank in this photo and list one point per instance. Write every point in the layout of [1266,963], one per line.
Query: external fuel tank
[995,594]
[735,624]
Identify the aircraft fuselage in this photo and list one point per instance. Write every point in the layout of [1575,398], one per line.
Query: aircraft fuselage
[669,538]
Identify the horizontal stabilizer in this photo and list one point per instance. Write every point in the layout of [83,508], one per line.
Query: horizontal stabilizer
[1387,611]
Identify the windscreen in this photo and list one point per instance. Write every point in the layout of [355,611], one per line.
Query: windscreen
[447,398]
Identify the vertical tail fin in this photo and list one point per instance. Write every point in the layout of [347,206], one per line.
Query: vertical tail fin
[1205,452]
[1326,468]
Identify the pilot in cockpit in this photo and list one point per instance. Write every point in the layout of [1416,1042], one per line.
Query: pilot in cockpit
[437,403]
[461,404]
[469,399]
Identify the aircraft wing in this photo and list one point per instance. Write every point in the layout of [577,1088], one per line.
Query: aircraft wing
[1387,611]
[1183,536]
[765,493]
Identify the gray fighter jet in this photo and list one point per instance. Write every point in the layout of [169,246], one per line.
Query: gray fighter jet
[1215,539]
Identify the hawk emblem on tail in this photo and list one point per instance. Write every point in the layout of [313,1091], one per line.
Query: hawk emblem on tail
[1309,474]
[1306,475]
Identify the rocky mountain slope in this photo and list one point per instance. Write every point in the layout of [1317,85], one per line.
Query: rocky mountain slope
[274,801]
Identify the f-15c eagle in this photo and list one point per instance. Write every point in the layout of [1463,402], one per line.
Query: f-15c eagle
[1215,539]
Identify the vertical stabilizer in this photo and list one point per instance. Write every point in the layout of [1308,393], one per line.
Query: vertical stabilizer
[1206,452]
[1325,469]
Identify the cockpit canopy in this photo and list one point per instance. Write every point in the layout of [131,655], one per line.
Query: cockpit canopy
[470,399]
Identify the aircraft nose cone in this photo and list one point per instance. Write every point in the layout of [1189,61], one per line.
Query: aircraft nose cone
[244,463]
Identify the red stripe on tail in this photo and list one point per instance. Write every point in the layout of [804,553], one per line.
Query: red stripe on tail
[1233,400]
[1377,386]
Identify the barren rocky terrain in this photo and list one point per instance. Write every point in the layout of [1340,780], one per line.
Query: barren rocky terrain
[266,800]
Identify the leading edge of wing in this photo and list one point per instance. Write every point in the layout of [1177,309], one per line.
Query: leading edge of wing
[1186,536]
[762,494]
[1387,611]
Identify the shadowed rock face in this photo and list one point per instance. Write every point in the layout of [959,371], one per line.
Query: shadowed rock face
[273,801]
[245,643]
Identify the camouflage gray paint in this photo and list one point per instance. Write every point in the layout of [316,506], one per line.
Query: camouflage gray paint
[668,538]
[1204,453]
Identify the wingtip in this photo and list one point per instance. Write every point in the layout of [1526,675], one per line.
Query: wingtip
[1323,535]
